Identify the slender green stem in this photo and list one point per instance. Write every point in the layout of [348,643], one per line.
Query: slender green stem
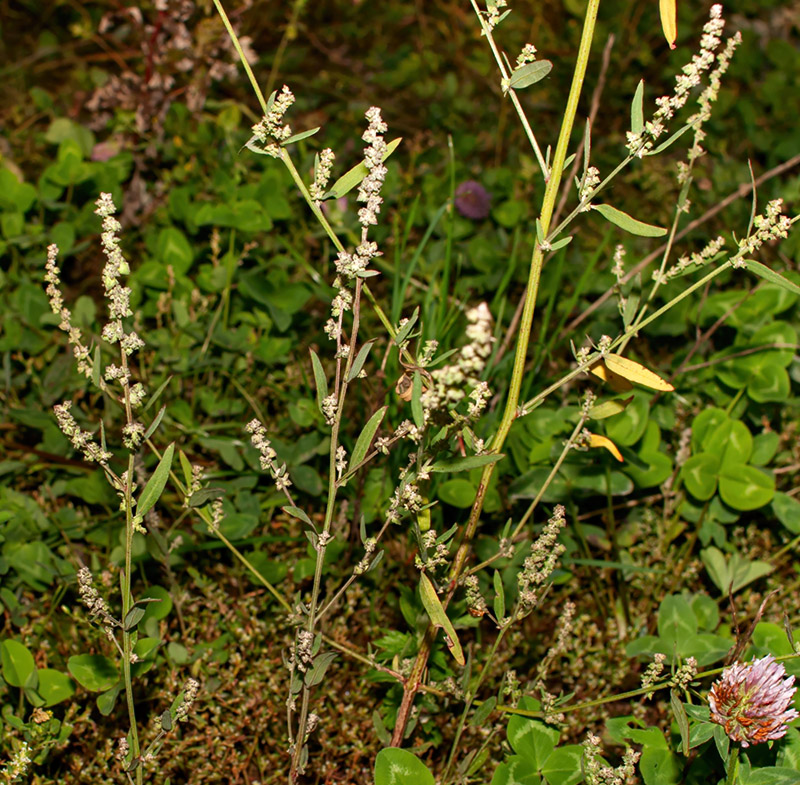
[127,603]
[512,93]
[733,767]
[512,401]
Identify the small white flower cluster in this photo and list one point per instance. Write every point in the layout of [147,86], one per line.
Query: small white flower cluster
[451,382]
[770,226]
[476,604]
[322,173]
[597,772]
[189,696]
[271,125]
[686,674]
[439,556]
[691,74]
[329,408]
[492,13]
[539,565]
[696,259]
[19,763]
[405,497]
[81,440]
[619,263]
[117,296]
[259,440]
[341,461]
[304,650]
[527,55]
[651,675]
[53,291]
[369,548]
[95,604]
[589,182]
[370,189]
[710,94]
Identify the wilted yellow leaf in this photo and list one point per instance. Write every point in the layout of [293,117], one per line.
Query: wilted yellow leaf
[634,372]
[596,440]
[669,21]
[615,381]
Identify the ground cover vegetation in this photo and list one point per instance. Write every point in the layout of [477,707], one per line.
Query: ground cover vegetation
[297,484]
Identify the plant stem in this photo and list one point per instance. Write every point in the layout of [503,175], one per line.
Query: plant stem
[512,401]
[127,642]
[733,767]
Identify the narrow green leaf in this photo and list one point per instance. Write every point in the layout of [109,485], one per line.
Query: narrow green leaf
[298,137]
[157,394]
[365,437]
[680,717]
[482,713]
[435,610]
[626,222]
[609,408]
[155,485]
[316,673]
[351,179]
[166,721]
[529,74]
[567,161]
[97,369]
[416,400]
[637,109]
[670,140]
[156,422]
[587,145]
[135,615]
[499,597]
[187,468]
[319,379]
[559,244]
[106,700]
[767,274]
[296,512]
[361,358]
[405,330]
[465,464]
[205,495]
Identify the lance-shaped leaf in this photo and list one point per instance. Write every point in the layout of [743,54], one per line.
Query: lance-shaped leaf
[627,222]
[298,137]
[358,363]
[637,109]
[615,381]
[636,373]
[529,74]
[595,440]
[351,179]
[438,617]
[465,464]
[609,408]
[669,21]
[764,272]
[155,485]
[365,437]
[320,381]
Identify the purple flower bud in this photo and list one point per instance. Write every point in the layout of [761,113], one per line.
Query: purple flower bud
[751,701]
[473,200]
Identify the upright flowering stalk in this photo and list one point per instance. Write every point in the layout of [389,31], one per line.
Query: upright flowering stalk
[129,395]
[752,701]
